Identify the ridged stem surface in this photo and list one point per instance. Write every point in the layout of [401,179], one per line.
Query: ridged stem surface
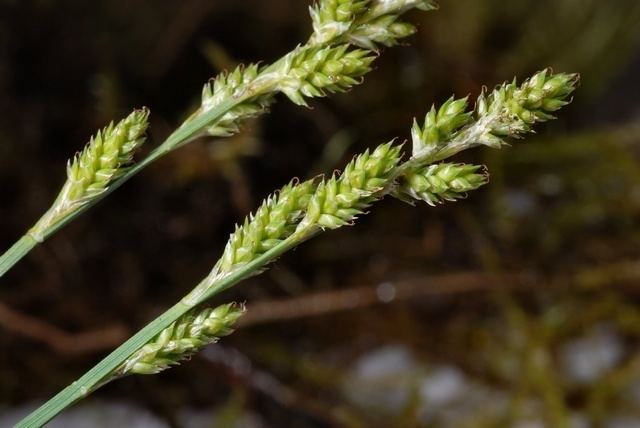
[17,251]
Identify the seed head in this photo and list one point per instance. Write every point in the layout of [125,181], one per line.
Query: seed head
[228,85]
[104,159]
[509,111]
[274,221]
[439,125]
[339,200]
[333,18]
[440,182]
[186,336]
[315,71]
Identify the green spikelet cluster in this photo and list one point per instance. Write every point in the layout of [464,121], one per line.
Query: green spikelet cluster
[105,157]
[339,200]
[516,108]
[274,221]
[316,71]
[439,125]
[365,23]
[381,25]
[333,18]
[384,30]
[440,182]
[227,85]
[509,111]
[307,71]
[103,160]
[187,335]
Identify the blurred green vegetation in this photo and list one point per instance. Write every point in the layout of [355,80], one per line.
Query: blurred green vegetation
[561,211]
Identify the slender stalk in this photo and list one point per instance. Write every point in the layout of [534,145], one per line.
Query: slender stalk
[16,252]
[93,378]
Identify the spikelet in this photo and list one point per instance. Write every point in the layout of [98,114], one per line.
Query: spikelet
[333,18]
[306,72]
[104,159]
[340,199]
[363,23]
[309,72]
[439,125]
[229,85]
[184,337]
[274,221]
[440,182]
[509,111]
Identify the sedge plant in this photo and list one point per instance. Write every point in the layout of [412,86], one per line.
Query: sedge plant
[302,210]
[346,34]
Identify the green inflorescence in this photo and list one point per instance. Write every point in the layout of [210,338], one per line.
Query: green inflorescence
[509,111]
[274,221]
[187,335]
[105,158]
[340,199]
[440,182]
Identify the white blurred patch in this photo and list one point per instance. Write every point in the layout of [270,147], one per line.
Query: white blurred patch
[442,386]
[623,422]
[587,358]
[383,378]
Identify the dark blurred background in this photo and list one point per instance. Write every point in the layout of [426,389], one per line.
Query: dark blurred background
[517,307]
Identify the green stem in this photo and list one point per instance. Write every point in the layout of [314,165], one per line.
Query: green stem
[92,380]
[15,253]
[87,383]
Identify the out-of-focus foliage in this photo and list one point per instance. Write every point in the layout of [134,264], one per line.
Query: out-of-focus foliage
[558,347]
